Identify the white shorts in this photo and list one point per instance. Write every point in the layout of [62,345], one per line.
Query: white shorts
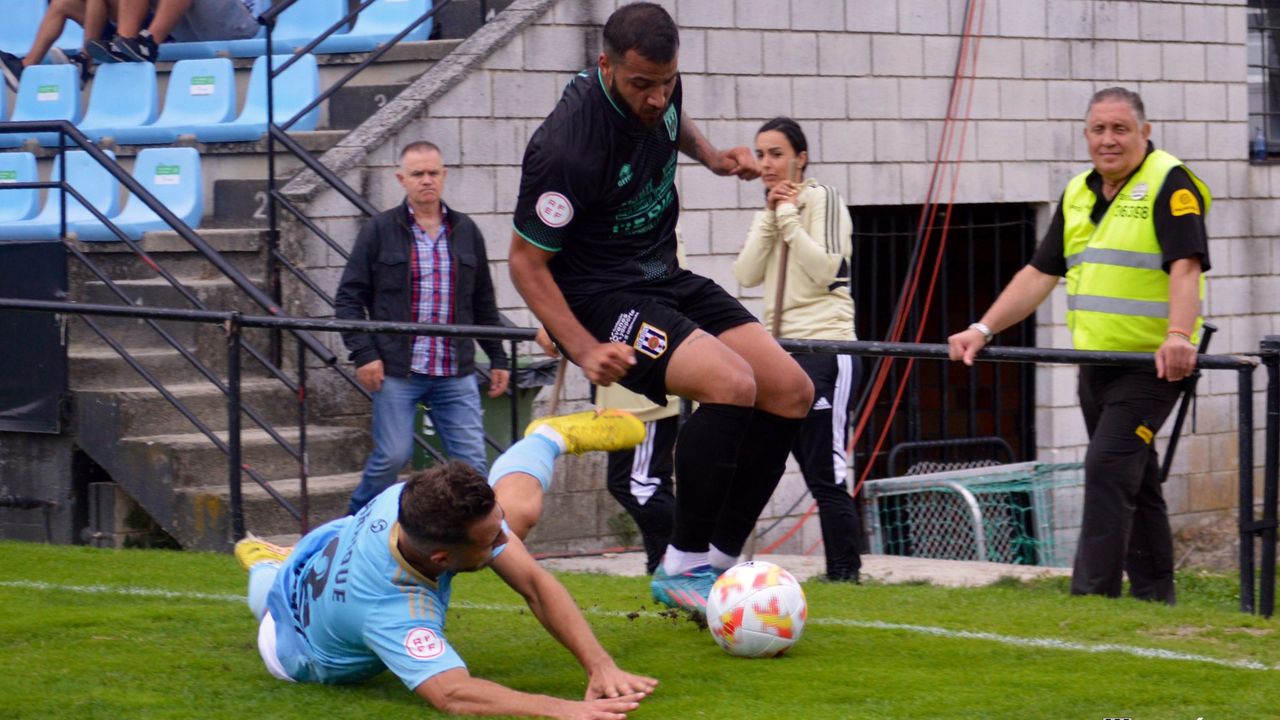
[267,648]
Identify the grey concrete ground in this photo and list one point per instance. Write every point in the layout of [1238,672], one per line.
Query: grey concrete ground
[882,568]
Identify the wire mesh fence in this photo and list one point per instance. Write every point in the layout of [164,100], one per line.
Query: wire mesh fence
[1023,513]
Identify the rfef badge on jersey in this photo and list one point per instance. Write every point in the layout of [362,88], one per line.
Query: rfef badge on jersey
[554,209]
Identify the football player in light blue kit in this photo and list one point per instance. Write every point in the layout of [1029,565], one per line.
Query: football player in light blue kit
[368,592]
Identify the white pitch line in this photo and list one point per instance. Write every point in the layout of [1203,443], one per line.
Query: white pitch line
[1013,640]
[119,590]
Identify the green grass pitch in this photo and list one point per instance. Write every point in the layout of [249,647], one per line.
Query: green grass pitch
[160,634]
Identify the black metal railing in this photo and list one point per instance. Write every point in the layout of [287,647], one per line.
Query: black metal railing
[1251,529]
[307,343]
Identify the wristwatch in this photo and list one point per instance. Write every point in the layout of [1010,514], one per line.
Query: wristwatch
[982,328]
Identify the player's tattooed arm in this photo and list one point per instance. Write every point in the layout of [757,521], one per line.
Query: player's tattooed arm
[738,161]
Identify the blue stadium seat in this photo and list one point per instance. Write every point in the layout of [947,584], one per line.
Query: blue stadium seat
[205,48]
[299,85]
[297,26]
[208,48]
[173,176]
[378,23]
[46,92]
[4,103]
[201,92]
[90,179]
[123,95]
[18,204]
[21,18]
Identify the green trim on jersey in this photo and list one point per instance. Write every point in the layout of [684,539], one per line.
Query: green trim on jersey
[605,88]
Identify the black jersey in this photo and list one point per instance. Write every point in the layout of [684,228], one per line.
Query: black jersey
[598,189]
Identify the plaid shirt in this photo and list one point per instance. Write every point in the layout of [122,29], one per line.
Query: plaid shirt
[431,297]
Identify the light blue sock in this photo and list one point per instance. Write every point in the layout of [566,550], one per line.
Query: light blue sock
[535,455]
[261,577]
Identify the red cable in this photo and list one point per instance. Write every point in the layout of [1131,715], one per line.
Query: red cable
[929,210]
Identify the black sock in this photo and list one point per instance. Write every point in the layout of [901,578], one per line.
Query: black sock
[762,458]
[706,455]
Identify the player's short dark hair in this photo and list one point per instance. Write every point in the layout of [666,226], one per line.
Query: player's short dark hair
[420,146]
[439,505]
[790,129]
[644,27]
[1119,94]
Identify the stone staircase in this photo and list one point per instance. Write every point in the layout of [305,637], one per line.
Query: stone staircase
[155,454]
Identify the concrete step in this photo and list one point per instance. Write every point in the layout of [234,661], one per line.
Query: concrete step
[192,458]
[242,247]
[241,201]
[215,293]
[144,411]
[327,497]
[352,105]
[207,339]
[203,513]
[98,367]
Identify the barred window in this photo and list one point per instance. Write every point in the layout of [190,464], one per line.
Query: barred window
[1264,79]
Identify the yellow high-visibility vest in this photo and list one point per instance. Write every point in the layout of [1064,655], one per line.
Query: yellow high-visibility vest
[1117,289]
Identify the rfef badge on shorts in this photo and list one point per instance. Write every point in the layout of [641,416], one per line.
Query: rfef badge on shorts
[651,341]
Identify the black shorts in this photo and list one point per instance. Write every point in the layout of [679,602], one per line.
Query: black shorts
[655,318]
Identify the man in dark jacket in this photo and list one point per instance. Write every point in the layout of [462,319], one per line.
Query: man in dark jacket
[420,262]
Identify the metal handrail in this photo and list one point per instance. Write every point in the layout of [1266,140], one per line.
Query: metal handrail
[68,130]
[1243,365]
[182,350]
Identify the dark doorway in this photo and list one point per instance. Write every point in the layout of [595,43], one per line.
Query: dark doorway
[986,245]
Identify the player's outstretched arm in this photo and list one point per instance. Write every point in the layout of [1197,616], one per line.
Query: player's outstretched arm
[559,614]
[456,692]
[603,363]
[738,161]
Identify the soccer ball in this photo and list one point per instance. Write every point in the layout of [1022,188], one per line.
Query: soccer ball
[756,609]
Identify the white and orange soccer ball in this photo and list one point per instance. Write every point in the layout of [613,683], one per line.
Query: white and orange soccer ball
[756,609]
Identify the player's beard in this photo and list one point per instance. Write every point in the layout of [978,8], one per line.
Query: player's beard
[619,100]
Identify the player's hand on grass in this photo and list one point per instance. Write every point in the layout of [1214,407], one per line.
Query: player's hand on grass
[613,682]
[738,161]
[603,708]
[965,345]
[606,363]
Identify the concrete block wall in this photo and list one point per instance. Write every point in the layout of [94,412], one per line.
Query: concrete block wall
[870,84]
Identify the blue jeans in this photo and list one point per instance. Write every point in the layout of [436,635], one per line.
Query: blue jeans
[453,404]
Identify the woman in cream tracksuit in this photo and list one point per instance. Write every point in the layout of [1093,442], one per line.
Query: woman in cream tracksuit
[804,235]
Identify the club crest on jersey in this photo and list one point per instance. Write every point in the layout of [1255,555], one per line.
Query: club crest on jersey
[672,119]
[651,341]
[624,175]
[423,644]
[554,209]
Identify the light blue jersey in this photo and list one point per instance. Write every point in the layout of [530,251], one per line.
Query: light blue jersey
[347,605]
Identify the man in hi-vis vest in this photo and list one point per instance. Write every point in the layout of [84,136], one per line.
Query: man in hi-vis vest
[1129,237]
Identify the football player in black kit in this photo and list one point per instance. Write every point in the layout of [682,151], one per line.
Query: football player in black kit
[594,255]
